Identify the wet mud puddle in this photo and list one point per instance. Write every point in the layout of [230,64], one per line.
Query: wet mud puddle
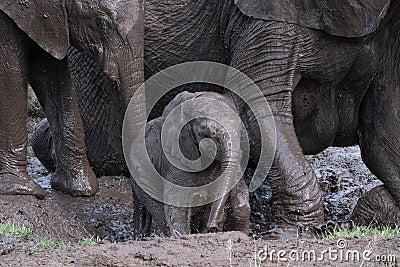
[108,215]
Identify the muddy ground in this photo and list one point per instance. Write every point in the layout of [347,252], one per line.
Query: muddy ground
[67,220]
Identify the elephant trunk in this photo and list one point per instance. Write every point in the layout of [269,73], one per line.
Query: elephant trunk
[131,75]
[124,62]
[230,166]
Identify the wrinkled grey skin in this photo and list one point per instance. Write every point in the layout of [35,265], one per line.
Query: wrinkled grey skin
[107,157]
[324,90]
[377,207]
[172,220]
[102,115]
[36,36]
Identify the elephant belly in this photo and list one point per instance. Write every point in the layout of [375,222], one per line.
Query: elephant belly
[348,104]
[326,116]
[326,100]
[315,116]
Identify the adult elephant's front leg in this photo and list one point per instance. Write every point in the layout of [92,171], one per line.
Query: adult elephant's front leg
[14,179]
[268,53]
[51,82]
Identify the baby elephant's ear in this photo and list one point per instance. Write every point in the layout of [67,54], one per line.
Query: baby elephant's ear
[44,21]
[347,18]
[178,100]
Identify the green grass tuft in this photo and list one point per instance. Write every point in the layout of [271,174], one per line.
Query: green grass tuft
[89,241]
[46,243]
[14,230]
[365,231]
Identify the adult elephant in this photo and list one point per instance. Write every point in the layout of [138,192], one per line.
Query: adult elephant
[36,36]
[315,63]
[329,73]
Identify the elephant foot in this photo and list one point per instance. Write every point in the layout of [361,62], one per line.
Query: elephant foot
[282,233]
[376,207]
[287,233]
[20,184]
[76,182]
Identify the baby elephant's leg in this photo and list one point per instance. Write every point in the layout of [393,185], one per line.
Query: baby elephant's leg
[240,205]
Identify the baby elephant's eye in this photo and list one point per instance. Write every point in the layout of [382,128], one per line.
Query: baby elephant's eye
[104,23]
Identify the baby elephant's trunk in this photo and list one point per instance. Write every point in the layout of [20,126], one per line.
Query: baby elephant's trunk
[234,190]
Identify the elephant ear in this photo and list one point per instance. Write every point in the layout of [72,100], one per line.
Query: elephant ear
[346,18]
[178,99]
[44,21]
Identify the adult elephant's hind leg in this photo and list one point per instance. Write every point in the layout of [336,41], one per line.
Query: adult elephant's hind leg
[13,117]
[51,82]
[380,149]
[376,207]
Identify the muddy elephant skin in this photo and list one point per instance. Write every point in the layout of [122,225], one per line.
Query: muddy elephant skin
[36,37]
[102,119]
[327,84]
[376,208]
[205,218]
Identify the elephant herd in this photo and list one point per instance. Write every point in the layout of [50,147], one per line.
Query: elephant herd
[328,71]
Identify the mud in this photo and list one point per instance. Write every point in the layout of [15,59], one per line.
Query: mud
[343,178]
[224,249]
[108,215]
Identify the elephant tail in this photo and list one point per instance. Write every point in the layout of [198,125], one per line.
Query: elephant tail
[42,145]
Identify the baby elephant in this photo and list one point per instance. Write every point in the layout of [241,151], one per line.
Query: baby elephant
[213,148]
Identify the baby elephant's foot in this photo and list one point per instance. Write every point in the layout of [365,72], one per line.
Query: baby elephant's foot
[240,205]
[376,207]
[76,182]
[20,184]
